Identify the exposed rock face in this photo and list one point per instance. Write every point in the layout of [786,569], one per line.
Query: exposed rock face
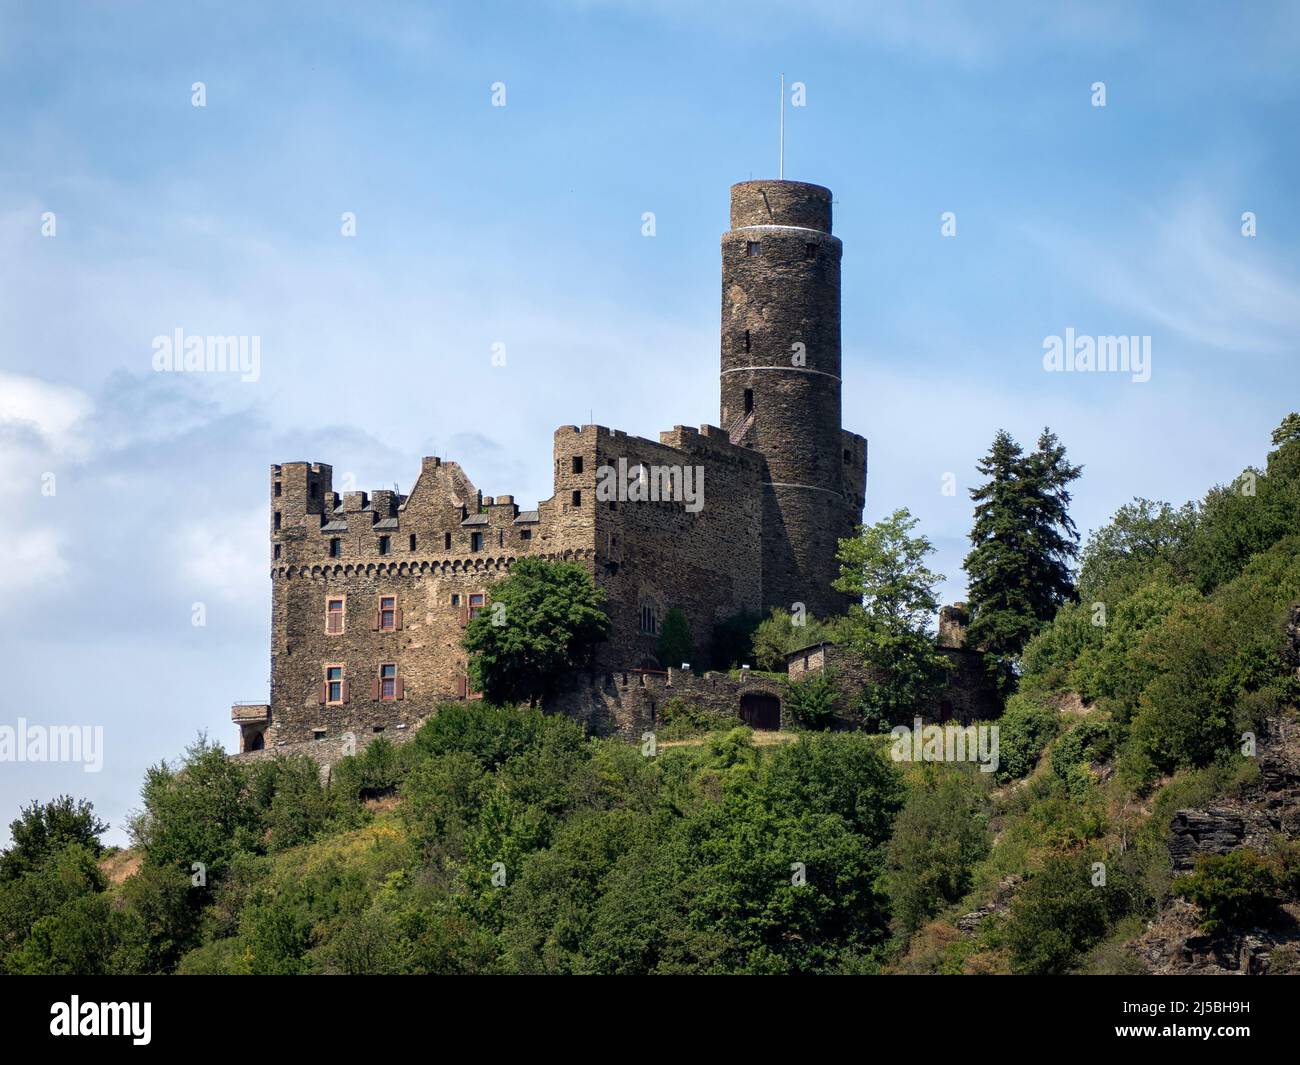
[1175,945]
[1268,808]
[969,923]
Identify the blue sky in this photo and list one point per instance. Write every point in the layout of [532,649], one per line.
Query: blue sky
[521,225]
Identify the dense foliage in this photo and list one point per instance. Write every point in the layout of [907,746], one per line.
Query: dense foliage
[504,840]
[887,626]
[546,617]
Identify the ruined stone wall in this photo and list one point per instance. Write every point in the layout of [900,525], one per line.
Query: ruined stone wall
[968,694]
[628,703]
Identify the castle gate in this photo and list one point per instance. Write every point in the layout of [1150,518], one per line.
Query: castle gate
[760,710]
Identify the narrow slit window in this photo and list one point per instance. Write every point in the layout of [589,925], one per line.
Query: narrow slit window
[749,400]
[810,251]
[446,541]
[412,541]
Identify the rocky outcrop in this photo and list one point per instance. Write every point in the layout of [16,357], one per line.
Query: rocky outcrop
[969,923]
[1269,807]
[1176,945]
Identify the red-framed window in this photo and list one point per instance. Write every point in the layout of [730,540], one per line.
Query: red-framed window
[335,616]
[335,688]
[388,618]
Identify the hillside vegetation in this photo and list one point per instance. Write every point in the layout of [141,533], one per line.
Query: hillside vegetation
[504,840]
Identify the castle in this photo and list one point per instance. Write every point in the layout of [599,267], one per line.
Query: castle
[371,591]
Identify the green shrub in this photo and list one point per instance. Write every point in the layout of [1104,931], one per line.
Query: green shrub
[1023,731]
[811,701]
[1231,889]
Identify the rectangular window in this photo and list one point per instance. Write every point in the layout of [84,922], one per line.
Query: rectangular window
[387,613]
[577,463]
[336,547]
[315,490]
[277,520]
[477,603]
[277,550]
[383,545]
[749,400]
[753,248]
[446,541]
[334,616]
[335,688]
[388,682]
[277,488]
[412,541]
[525,534]
[577,499]
[476,541]
[746,341]
[649,623]
[810,251]
[455,599]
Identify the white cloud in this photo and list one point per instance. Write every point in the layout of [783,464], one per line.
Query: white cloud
[52,410]
[1189,270]
[225,555]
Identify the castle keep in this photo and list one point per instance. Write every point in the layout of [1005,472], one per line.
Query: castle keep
[371,591]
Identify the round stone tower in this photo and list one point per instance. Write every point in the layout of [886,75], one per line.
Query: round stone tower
[781,383]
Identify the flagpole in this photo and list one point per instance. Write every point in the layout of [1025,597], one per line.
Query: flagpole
[781,161]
